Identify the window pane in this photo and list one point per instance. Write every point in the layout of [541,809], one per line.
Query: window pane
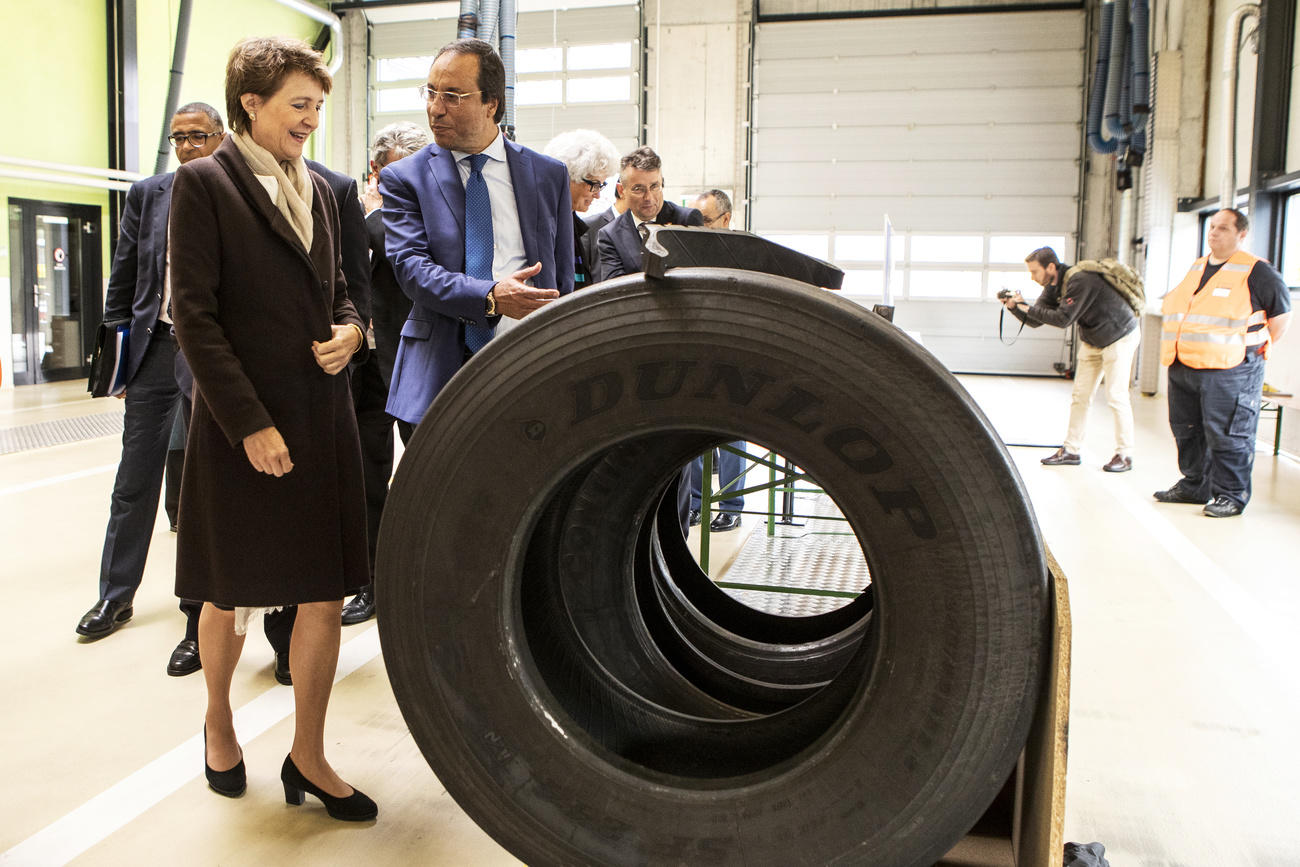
[864,282]
[810,245]
[947,248]
[403,68]
[860,248]
[944,284]
[1012,249]
[617,88]
[538,60]
[614,55]
[398,99]
[1291,242]
[1016,281]
[545,92]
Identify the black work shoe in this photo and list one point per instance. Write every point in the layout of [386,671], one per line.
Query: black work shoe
[724,522]
[694,519]
[361,607]
[105,617]
[282,674]
[1061,458]
[1223,507]
[1118,464]
[1178,494]
[185,659]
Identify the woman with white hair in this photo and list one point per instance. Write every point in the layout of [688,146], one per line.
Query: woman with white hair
[591,160]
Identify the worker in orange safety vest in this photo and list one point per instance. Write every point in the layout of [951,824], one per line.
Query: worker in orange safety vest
[1217,326]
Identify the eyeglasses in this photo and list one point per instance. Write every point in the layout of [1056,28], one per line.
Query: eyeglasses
[596,186]
[641,189]
[197,139]
[451,98]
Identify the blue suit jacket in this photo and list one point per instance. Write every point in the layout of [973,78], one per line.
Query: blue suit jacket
[135,285]
[424,225]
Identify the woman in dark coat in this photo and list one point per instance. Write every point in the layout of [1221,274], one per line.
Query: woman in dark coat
[272,502]
[591,159]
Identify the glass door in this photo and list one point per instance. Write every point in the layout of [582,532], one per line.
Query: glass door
[57,296]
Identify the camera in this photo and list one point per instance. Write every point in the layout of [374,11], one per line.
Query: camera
[1004,294]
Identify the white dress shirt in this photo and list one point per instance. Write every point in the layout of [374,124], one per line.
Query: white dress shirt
[507,238]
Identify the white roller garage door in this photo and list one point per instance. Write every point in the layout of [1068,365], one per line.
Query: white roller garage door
[964,129]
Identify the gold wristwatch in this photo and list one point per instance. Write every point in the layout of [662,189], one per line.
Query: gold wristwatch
[492,302]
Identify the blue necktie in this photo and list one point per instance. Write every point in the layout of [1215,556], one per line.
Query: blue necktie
[478,242]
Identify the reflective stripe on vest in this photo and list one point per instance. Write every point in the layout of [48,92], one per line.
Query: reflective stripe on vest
[1208,329]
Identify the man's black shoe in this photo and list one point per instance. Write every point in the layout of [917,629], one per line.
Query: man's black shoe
[1118,464]
[1223,507]
[1178,494]
[185,659]
[361,607]
[105,617]
[282,674]
[695,518]
[1061,458]
[724,522]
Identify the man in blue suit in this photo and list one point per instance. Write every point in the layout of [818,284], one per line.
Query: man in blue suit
[138,290]
[461,274]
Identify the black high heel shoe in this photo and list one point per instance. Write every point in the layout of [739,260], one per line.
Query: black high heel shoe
[356,807]
[231,783]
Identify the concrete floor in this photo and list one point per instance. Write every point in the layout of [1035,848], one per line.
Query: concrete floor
[1182,740]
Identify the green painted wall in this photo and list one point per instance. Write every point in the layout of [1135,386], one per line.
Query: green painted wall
[55,99]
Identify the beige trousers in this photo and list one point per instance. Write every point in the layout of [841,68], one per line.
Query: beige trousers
[1114,364]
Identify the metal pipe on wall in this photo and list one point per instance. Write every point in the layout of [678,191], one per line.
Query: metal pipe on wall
[327,18]
[174,84]
[1230,68]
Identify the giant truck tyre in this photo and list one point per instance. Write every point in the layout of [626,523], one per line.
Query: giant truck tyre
[567,680]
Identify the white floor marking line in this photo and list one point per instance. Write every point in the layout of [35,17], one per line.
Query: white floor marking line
[70,836]
[1255,619]
[54,480]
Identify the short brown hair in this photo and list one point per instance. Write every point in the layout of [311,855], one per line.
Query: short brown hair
[1242,221]
[643,159]
[491,70]
[260,64]
[1044,256]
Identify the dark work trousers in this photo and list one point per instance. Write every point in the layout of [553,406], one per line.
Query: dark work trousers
[152,397]
[375,427]
[730,468]
[1214,415]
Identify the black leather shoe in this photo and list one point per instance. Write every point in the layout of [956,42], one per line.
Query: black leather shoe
[1178,494]
[694,519]
[356,807]
[1118,464]
[1061,458]
[724,522]
[1223,507]
[185,659]
[361,607]
[105,617]
[231,783]
[282,674]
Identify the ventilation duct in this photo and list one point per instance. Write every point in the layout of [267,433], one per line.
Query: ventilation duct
[494,21]
[1119,105]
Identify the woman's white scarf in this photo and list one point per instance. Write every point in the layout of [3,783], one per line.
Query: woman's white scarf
[293,198]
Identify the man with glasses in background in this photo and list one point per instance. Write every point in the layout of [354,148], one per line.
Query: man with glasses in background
[138,290]
[470,222]
[641,182]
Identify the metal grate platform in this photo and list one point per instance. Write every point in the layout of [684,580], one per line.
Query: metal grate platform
[800,564]
[59,432]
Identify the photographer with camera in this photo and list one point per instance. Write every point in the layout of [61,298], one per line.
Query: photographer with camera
[1108,339]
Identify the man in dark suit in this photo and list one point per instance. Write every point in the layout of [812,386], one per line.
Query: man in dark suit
[595,223]
[388,309]
[641,181]
[465,264]
[138,289]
